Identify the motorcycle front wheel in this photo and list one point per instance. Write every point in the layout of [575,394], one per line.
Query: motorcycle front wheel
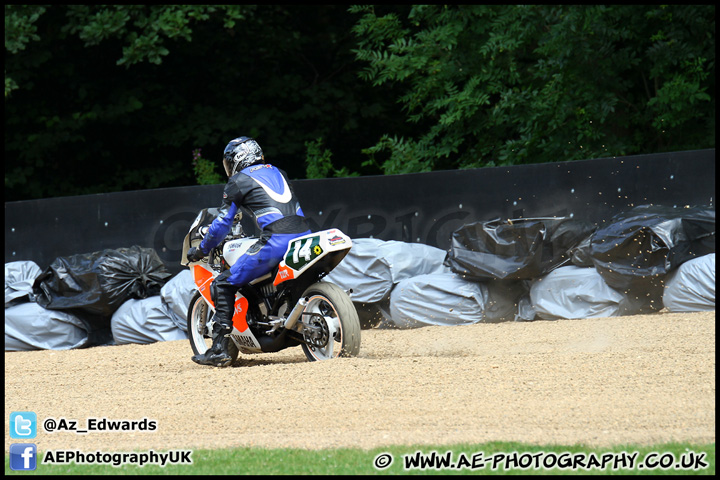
[335,323]
[199,331]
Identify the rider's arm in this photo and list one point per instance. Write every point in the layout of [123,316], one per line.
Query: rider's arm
[223,223]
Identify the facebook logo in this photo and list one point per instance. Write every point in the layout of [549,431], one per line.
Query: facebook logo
[23,456]
[23,425]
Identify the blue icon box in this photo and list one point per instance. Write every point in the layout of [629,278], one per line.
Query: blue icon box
[23,425]
[23,456]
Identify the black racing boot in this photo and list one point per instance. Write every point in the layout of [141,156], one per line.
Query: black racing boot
[217,355]
[223,295]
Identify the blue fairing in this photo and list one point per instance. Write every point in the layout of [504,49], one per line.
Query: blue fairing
[219,229]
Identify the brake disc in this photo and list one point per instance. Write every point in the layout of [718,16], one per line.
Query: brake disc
[317,333]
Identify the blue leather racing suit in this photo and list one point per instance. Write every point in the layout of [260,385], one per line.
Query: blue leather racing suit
[263,191]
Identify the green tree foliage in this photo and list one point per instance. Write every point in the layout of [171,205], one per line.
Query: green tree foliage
[20,29]
[110,98]
[205,171]
[507,84]
[144,30]
[319,162]
[102,98]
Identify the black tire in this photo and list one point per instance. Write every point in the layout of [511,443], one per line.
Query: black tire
[199,312]
[335,307]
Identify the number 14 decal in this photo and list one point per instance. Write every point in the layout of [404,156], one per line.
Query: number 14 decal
[303,252]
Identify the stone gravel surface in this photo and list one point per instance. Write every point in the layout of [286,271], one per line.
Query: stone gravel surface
[642,379]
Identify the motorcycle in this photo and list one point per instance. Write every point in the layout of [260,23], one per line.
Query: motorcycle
[289,306]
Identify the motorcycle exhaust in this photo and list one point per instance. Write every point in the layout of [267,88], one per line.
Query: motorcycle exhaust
[295,313]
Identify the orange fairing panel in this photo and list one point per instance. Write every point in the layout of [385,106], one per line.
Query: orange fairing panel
[240,314]
[203,278]
[284,273]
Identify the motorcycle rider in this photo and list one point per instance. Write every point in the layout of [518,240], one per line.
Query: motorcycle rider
[263,191]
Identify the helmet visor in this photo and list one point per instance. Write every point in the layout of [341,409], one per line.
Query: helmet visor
[228,165]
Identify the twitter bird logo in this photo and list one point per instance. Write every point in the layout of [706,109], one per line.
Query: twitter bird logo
[23,425]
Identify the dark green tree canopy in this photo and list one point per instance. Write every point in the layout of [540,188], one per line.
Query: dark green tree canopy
[110,98]
[503,84]
[122,97]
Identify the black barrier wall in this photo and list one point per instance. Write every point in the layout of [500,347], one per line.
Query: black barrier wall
[420,208]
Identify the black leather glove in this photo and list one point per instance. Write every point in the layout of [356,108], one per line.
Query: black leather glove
[195,254]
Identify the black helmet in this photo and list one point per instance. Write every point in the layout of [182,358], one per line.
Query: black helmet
[241,153]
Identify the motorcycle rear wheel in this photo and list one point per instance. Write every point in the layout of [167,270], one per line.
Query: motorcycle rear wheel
[335,313]
[199,314]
